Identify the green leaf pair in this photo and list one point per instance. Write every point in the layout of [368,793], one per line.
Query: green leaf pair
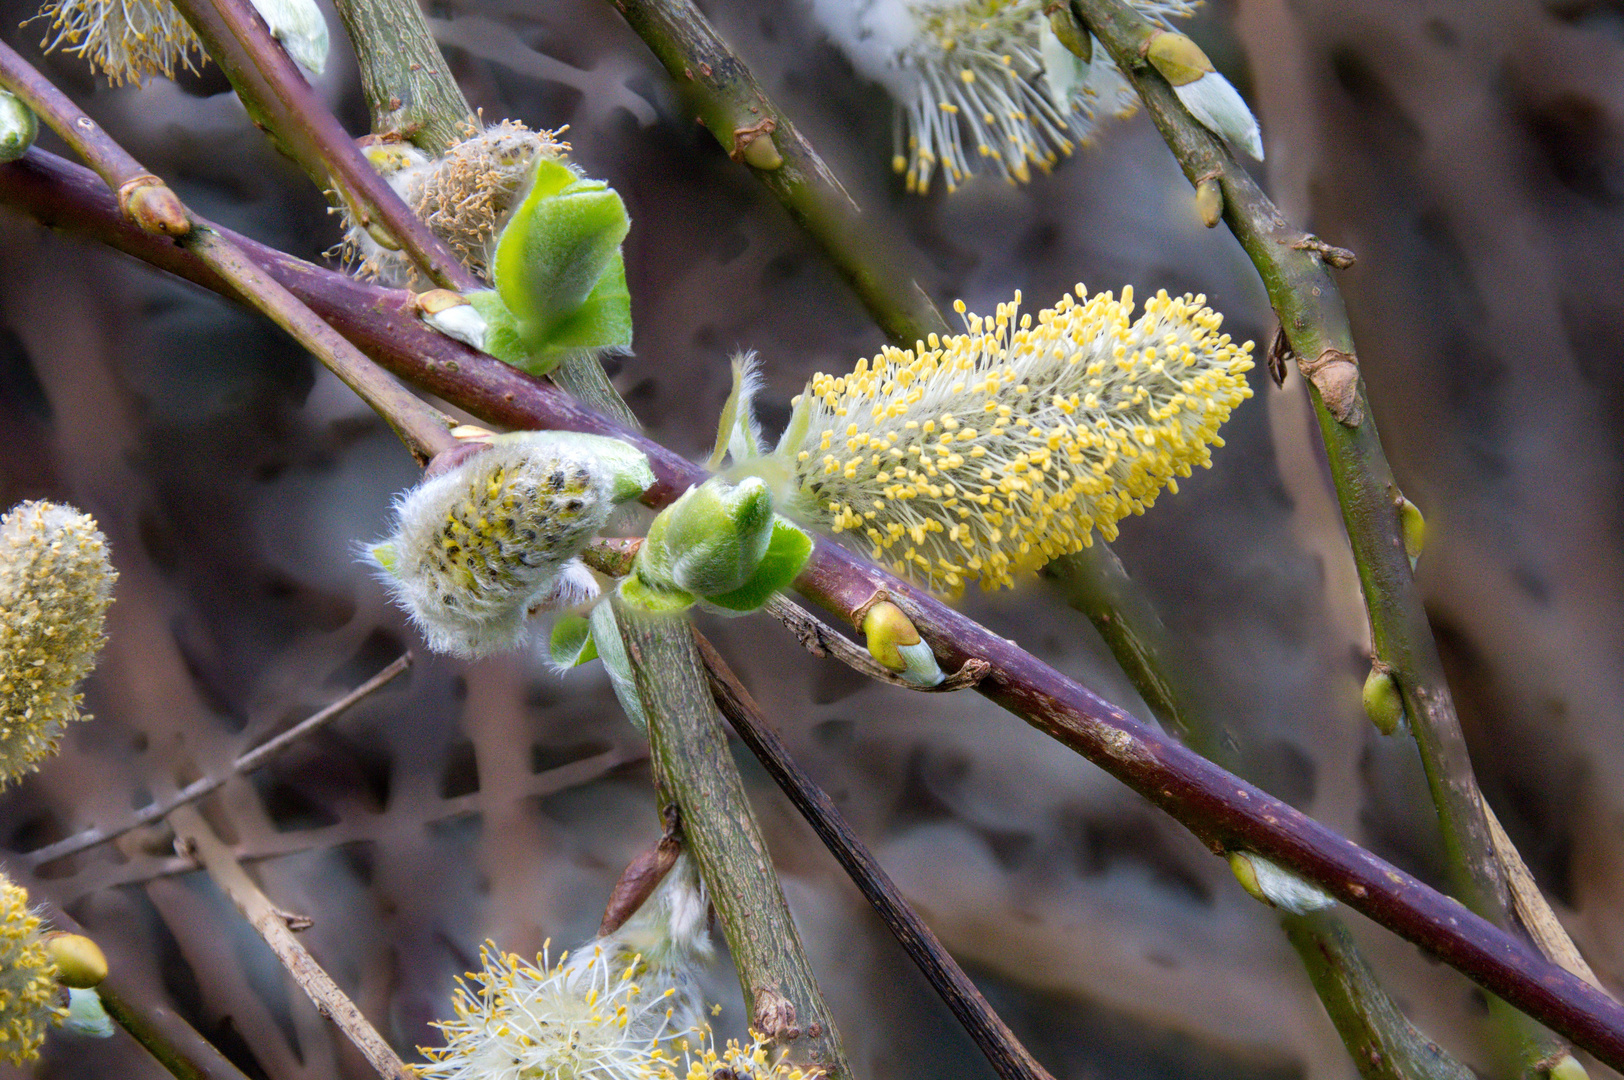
[560,278]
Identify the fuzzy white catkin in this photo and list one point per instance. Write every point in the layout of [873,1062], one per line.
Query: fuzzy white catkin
[480,547]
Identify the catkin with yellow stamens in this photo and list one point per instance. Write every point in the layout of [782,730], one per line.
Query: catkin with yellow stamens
[55,584]
[987,454]
[29,1000]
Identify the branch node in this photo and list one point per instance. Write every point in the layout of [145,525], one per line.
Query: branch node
[1339,257]
[1335,374]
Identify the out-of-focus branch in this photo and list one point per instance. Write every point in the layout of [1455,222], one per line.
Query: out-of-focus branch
[720,90]
[194,837]
[1221,809]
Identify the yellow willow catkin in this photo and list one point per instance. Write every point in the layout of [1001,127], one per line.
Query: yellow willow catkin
[124,39]
[28,991]
[55,584]
[987,454]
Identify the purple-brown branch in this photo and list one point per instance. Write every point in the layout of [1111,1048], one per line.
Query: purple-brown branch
[1224,811]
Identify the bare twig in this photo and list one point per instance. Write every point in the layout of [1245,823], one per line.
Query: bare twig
[1008,1057]
[247,763]
[198,840]
[1223,810]
[408,86]
[719,88]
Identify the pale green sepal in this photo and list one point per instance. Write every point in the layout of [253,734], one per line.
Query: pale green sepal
[612,650]
[738,434]
[571,643]
[18,127]
[501,329]
[919,665]
[86,1015]
[787,552]
[657,599]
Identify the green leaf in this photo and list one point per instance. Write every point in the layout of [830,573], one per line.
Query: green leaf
[571,644]
[557,246]
[638,592]
[787,553]
[502,329]
[602,321]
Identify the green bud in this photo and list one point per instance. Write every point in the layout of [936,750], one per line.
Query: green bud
[711,540]
[1383,703]
[1071,32]
[1568,1069]
[1209,202]
[1276,886]
[79,961]
[894,641]
[1415,529]
[1179,59]
[18,127]
[86,1015]
[558,269]
[762,153]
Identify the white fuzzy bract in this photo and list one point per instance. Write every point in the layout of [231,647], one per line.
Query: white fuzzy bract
[479,548]
[980,79]
[1213,100]
[987,454]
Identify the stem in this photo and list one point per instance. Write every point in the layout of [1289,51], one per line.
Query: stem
[716,86]
[1293,268]
[419,426]
[1004,1051]
[247,763]
[409,90]
[272,925]
[279,100]
[720,830]
[1221,809]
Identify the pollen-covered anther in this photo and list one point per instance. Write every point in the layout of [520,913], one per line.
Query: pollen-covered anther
[28,988]
[985,455]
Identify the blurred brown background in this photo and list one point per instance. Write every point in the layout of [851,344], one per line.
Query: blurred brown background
[1471,154]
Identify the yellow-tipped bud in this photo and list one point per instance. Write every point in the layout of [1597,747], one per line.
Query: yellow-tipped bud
[762,153]
[894,641]
[1569,1068]
[1415,529]
[1209,202]
[1276,886]
[1383,702]
[1179,59]
[80,963]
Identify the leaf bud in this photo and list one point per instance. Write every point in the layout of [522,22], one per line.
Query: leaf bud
[1209,201]
[147,201]
[79,961]
[1208,95]
[1070,31]
[762,153]
[300,27]
[1383,702]
[712,539]
[1276,886]
[452,315]
[1415,529]
[894,641]
[18,127]
[86,1015]
[1179,59]
[1568,1068]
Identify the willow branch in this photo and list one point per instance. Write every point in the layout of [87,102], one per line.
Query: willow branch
[244,764]
[1008,1057]
[1224,811]
[716,86]
[408,86]
[1294,270]
[720,830]
[279,100]
[198,840]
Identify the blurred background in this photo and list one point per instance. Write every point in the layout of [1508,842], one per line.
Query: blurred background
[1472,154]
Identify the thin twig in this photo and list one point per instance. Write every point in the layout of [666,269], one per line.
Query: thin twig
[1294,269]
[407,83]
[195,838]
[1223,810]
[247,763]
[717,87]
[418,425]
[1008,1057]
